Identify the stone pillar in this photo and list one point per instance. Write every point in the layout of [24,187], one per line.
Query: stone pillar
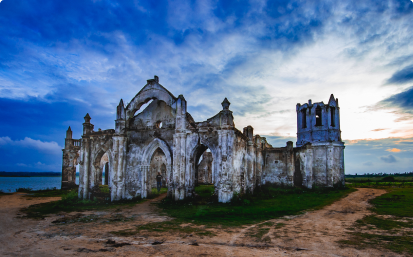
[84,168]
[114,169]
[169,176]
[308,167]
[259,162]
[182,167]
[120,190]
[330,167]
[117,171]
[290,163]
[144,170]
[342,168]
[250,176]
[175,171]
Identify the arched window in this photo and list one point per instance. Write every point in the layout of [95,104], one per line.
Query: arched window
[318,117]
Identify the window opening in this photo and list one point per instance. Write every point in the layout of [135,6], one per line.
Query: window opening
[304,117]
[318,116]
[333,116]
[158,124]
[143,107]
[77,174]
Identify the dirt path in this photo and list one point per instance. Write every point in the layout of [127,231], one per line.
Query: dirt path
[312,234]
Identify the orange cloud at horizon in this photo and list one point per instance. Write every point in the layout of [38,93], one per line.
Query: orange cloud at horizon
[394,150]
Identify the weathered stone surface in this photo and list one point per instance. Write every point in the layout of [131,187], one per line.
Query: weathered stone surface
[165,138]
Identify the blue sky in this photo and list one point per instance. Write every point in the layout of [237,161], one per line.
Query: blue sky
[62,59]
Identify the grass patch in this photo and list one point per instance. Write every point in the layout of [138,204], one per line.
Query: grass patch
[279,225]
[160,228]
[205,191]
[155,193]
[70,203]
[397,202]
[79,218]
[398,244]
[367,183]
[258,233]
[397,206]
[268,202]
[383,223]
[47,192]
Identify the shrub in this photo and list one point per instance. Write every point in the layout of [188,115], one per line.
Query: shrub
[388,179]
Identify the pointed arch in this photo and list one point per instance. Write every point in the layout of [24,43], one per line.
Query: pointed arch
[152,90]
[151,148]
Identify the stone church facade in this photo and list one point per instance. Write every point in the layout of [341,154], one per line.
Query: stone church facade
[165,138]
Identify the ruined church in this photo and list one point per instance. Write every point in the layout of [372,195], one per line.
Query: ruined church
[163,137]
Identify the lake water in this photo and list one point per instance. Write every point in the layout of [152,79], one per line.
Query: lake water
[10,184]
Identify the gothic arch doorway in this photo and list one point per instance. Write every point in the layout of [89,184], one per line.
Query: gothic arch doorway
[202,169]
[157,157]
[102,164]
[157,165]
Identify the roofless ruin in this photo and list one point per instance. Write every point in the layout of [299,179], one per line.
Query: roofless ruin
[165,138]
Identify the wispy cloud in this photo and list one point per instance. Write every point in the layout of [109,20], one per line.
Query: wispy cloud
[402,76]
[48,147]
[61,59]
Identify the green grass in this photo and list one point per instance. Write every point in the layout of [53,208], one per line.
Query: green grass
[70,203]
[79,218]
[266,203]
[380,184]
[205,191]
[47,193]
[398,244]
[203,212]
[159,229]
[258,233]
[379,179]
[397,202]
[377,222]
[387,231]
[155,193]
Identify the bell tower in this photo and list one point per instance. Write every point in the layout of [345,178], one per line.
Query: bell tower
[318,122]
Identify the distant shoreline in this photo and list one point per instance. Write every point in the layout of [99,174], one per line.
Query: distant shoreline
[25,174]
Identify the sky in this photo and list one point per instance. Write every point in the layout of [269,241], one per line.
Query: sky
[62,59]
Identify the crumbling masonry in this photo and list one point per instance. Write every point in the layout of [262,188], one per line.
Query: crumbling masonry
[165,138]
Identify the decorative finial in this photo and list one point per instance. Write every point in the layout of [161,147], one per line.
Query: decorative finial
[87,118]
[156,78]
[225,104]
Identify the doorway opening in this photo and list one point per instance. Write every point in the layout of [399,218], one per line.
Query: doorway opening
[104,170]
[157,167]
[204,172]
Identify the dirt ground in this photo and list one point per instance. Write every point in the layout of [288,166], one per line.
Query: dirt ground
[314,233]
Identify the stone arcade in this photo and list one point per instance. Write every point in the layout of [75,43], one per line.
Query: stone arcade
[165,138]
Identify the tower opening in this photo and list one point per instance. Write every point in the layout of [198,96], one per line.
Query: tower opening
[304,118]
[318,117]
[333,116]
